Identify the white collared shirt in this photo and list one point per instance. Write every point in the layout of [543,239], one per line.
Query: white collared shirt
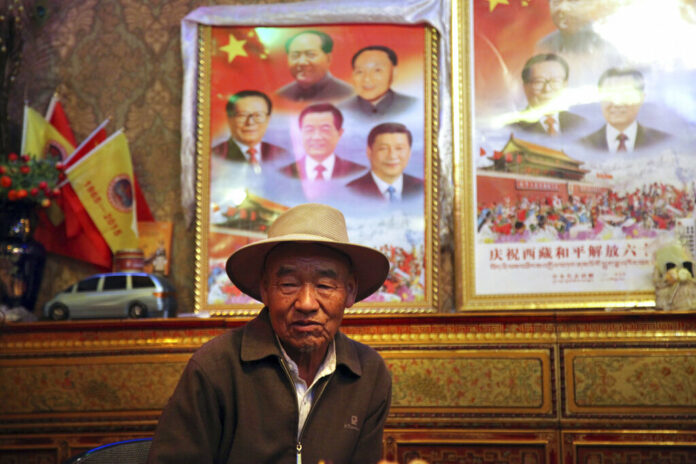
[311,164]
[305,395]
[245,148]
[383,186]
[630,132]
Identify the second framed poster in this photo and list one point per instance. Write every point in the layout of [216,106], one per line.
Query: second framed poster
[576,161]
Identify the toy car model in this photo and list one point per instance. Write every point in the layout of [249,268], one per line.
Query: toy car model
[116,294]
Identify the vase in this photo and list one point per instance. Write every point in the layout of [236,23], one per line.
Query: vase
[22,258]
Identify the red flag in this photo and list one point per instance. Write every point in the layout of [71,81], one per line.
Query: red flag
[508,157]
[142,209]
[482,152]
[76,237]
[55,114]
[497,155]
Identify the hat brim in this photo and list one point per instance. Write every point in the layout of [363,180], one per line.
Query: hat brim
[245,266]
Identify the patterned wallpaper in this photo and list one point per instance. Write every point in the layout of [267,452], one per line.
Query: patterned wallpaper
[121,59]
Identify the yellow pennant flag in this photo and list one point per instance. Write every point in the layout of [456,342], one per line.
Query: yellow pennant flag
[40,138]
[103,181]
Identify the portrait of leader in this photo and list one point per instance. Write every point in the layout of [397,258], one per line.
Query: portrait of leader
[309,59]
[374,68]
[388,151]
[248,115]
[622,93]
[574,34]
[321,128]
[544,79]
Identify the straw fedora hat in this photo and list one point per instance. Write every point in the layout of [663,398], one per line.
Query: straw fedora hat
[308,223]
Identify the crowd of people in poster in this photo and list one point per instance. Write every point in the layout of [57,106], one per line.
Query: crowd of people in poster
[350,140]
[584,124]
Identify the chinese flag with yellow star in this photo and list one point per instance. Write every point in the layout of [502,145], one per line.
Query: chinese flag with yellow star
[103,181]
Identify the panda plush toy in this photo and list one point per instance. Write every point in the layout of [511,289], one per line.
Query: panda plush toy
[673,276]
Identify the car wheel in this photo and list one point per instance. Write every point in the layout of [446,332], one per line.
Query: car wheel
[137,310]
[58,312]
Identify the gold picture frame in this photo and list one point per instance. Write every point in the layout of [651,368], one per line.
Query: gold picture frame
[234,58]
[559,215]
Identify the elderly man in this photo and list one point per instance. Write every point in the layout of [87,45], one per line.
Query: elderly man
[389,151]
[573,20]
[545,78]
[248,115]
[622,95]
[374,68]
[288,387]
[309,58]
[321,127]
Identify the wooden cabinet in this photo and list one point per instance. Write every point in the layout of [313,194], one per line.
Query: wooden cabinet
[517,388]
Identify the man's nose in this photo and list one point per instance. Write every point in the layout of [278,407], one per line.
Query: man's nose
[306,298]
[302,59]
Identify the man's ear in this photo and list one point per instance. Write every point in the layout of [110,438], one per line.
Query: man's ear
[351,290]
[262,290]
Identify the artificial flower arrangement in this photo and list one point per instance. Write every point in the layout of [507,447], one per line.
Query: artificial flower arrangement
[30,181]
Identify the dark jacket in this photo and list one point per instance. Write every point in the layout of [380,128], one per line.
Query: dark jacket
[366,186]
[645,137]
[393,104]
[328,89]
[235,403]
[568,122]
[230,151]
[342,168]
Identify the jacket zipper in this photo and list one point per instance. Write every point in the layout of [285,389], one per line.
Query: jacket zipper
[298,447]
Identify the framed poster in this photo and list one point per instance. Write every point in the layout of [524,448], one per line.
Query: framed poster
[340,114]
[575,150]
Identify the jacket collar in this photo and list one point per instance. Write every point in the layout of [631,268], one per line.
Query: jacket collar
[258,342]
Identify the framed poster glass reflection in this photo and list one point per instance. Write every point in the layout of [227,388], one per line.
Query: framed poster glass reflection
[332,114]
[577,160]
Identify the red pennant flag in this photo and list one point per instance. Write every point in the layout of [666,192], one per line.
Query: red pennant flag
[55,114]
[482,152]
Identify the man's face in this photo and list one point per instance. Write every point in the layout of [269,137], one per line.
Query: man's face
[389,155]
[546,81]
[570,16]
[306,288]
[373,74]
[308,62]
[620,101]
[249,121]
[319,135]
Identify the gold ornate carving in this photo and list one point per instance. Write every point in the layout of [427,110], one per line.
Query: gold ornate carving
[471,381]
[630,381]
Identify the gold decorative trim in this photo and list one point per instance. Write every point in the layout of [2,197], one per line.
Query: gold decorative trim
[73,345]
[202,144]
[627,335]
[432,163]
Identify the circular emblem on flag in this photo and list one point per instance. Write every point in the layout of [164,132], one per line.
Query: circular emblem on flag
[55,149]
[120,193]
